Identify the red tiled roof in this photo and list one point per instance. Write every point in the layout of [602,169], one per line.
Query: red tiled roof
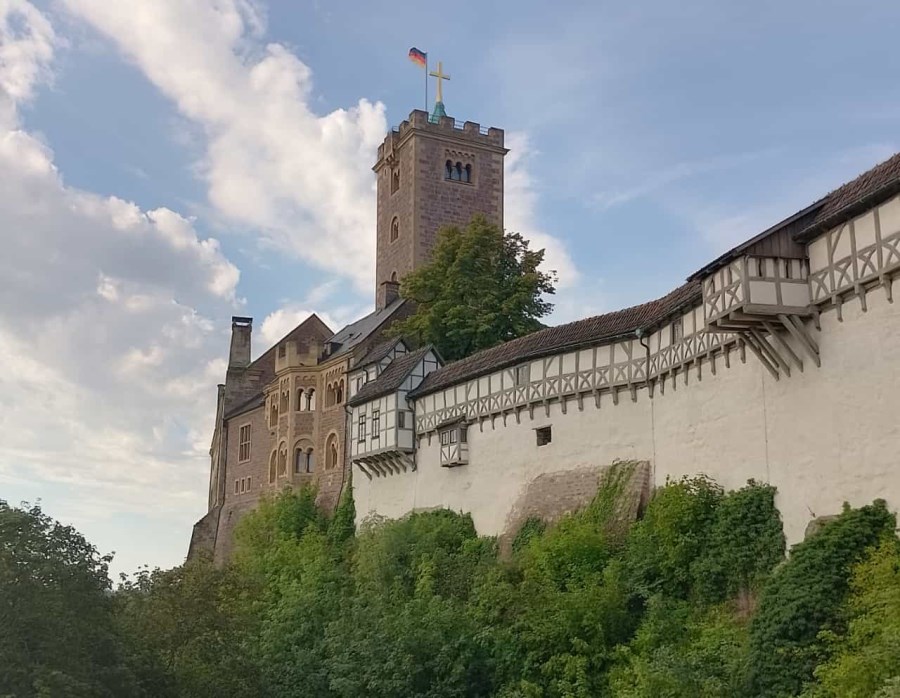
[391,378]
[590,331]
[854,197]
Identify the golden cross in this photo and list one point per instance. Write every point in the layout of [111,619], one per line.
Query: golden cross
[440,77]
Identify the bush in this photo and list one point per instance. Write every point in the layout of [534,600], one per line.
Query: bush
[803,598]
[866,660]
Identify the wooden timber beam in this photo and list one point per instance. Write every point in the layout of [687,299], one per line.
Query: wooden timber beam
[762,358]
[783,344]
[771,352]
[802,336]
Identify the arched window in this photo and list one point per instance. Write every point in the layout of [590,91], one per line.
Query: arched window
[395,180]
[467,174]
[332,457]
[448,170]
[302,453]
[273,413]
[282,460]
[339,395]
[311,399]
[310,461]
[395,229]
[299,404]
[273,466]
[457,172]
[393,277]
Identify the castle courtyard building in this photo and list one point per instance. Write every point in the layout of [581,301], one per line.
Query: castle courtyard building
[778,361]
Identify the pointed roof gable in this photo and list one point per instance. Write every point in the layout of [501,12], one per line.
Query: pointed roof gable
[391,378]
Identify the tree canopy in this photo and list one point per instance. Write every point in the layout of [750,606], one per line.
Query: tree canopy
[481,287]
[694,599]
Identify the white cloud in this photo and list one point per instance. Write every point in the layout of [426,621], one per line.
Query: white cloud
[109,359]
[520,210]
[281,321]
[271,163]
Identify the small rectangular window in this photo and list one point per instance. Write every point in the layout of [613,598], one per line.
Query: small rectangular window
[445,437]
[464,434]
[787,269]
[401,419]
[760,267]
[544,435]
[249,482]
[361,436]
[677,331]
[376,423]
[236,486]
[523,374]
[243,485]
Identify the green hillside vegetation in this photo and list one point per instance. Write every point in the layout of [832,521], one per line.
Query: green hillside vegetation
[695,599]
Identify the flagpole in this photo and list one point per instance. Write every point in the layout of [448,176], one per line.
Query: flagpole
[426,83]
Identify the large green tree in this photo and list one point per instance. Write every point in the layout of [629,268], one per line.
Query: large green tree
[57,635]
[482,287]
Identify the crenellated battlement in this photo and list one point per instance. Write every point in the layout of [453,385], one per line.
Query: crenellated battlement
[445,126]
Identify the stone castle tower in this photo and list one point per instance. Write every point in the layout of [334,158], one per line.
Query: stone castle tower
[432,171]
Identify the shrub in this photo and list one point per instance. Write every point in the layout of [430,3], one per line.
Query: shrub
[803,598]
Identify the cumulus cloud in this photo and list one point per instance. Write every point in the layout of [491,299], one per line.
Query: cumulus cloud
[271,163]
[520,210]
[110,358]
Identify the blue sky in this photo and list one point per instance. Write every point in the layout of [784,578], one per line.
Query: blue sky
[169,163]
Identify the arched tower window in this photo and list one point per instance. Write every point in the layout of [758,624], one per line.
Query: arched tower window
[273,466]
[299,404]
[339,395]
[448,170]
[467,174]
[302,454]
[273,413]
[282,460]
[395,180]
[332,456]
[310,461]
[457,172]
[395,229]
[311,399]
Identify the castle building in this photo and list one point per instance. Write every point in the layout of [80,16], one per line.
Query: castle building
[778,361]
[281,419]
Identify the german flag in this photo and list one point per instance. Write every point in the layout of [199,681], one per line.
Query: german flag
[418,57]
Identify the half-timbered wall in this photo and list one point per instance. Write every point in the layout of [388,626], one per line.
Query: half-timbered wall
[856,256]
[390,435]
[689,401]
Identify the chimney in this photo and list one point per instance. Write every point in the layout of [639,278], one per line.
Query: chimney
[239,356]
[387,294]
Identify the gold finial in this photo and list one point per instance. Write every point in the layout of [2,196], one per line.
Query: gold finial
[440,78]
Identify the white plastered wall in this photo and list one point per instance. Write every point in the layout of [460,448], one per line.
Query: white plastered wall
[822,436]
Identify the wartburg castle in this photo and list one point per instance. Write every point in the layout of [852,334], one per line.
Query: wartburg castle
[777,361]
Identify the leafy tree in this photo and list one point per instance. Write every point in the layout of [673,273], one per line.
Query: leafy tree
[664,548]
[803,598]
[745,543]
[482,287]
[866,660]
[57,636]
[682,649]
[186,629]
